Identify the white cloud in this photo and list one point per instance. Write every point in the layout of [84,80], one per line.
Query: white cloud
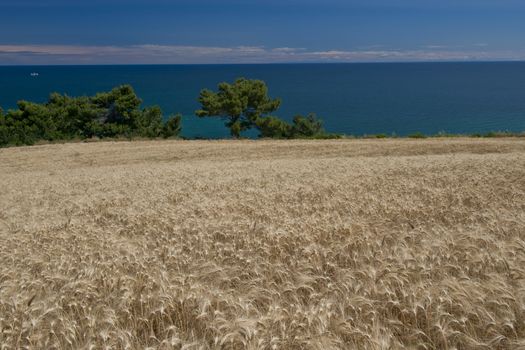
[436,47]
[151,53]
[289,50]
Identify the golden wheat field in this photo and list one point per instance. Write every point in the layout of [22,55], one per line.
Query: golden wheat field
[343,244]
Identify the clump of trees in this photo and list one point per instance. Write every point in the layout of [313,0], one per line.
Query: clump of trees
[245,104]
[301,127]
[110,114]
[241,104]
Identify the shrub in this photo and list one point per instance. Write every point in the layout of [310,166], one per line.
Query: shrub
[109,114]
[172,127]
[4,132]
[148,123]
[274,127]
[309,126]
[327,136]
[302,127]
[417,135]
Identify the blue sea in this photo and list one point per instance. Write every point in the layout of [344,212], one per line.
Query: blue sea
[357,99]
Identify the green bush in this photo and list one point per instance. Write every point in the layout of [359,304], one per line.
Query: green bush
[172,127]
[417,135]
[327,136]
[274,127]
[491,134]
[4,132]
[307,127]
[148,123]
[115,113]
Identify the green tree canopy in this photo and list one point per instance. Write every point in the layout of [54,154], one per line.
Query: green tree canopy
[172,127]
[120,104]
[274,127]
[301,127]
[241,104]
[115,113]
[309,126]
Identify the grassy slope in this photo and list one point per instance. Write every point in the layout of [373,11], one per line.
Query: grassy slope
[369,244]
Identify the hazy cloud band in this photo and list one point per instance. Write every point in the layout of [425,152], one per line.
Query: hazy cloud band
[174,54]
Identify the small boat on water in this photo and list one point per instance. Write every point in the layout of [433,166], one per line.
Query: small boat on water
[34,74]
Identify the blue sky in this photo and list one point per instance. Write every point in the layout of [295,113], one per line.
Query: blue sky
[254,31]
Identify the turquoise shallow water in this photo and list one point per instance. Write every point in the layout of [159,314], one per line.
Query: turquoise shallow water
[400,98]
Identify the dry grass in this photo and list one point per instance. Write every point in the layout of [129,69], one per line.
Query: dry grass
[346,244]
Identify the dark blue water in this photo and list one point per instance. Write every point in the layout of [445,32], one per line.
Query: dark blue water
[400,98]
